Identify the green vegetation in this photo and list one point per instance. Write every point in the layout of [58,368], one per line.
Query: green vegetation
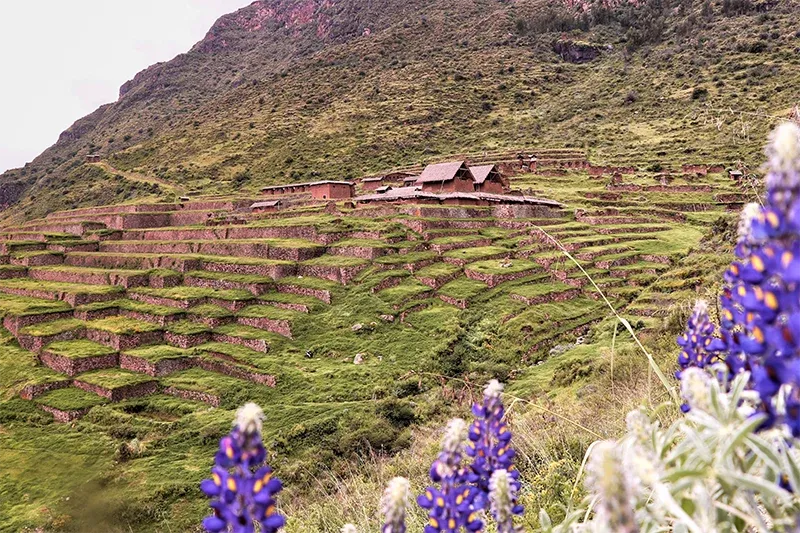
[78,349]
[336,261]
[209,311]
[471,254]
[23,305]
[437,270]
[122,325]
[54,327]
[267,311]
[161,352]
[186,327]
[55,287]
[534,290]
[226,276]
[70,399]
[113,378]
[462,288]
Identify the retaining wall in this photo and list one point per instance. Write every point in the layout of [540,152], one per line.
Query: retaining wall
[71,366]
[124,341]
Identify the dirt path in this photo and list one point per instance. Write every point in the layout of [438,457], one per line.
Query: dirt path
[141,178]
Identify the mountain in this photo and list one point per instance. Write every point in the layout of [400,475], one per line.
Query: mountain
[286,90]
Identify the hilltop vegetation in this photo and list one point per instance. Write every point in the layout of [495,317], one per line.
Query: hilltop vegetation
[292,90]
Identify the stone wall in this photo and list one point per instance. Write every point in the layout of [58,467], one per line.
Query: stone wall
[235,371]
[124,341]
[259,345]
[256,289]
[71,366]
[158,369]
[13,323]
[35,344]
[63,417]
[281,327]
[319,294]
[492,280]
[29,392]
[341,275]
[196,396]
[458,302]
[271,271]
[546,298]
[186,341]
[120,393]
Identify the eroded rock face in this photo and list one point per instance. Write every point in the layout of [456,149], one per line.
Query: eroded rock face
[576,52]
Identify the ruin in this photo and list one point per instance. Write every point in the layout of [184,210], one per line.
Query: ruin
[266,207]
[318,190]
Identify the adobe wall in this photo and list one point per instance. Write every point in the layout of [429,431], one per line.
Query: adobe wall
[189,218]
[491,187]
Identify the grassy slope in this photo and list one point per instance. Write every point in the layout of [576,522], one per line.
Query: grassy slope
[455,76]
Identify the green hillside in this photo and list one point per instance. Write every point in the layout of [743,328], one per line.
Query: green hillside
[292,97]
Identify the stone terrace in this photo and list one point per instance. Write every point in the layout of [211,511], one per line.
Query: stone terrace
[131,300]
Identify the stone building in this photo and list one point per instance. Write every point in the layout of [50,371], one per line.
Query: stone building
[447,177]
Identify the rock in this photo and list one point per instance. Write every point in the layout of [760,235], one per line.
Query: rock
[576,52]
[387,318]
[358,359]
[357,327]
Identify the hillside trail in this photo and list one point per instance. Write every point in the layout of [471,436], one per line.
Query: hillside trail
[142,178]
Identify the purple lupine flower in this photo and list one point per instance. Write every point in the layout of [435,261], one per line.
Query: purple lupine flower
[451,507]
[241,486]
[698,343]
[489,443]
[760,315]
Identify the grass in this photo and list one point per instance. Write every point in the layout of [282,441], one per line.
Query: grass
[55,287]
[404,291]
[462,288]
[196,293]
[186,327]
[540,289]
[341,261]
[309,283]
[267,311]
[121,325]
[472,254]
[23,305]
[113,378]
[209,311]
[437,270]
[227,276]
[78,349]
[245,332]
[500,266]
[70,399]
[405,259]
[161,352]
[54,327]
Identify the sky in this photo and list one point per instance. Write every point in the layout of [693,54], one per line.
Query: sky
[62,59]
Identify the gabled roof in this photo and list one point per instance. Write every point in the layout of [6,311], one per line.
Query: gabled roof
[410,178]
[370,180]
[482,172]
[443,172]
[385,188]
[273,203]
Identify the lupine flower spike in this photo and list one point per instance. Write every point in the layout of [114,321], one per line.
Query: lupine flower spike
[241,486]
[452,506]
[503,500]
[760,315]
[700,346]
[394,504]
[489,442]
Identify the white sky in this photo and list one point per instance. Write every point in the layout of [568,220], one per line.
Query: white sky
[61,59]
